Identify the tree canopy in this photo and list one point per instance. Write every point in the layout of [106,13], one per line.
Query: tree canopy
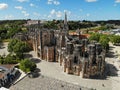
[9,59]
[103,39]
[18,47]
[95,36]
[8,28]
[115,39]
[26,65]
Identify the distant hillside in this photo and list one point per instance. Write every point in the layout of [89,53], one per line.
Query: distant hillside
[116,22]
[15,22]
[8,28]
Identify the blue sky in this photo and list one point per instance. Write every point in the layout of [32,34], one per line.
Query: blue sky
[54,9]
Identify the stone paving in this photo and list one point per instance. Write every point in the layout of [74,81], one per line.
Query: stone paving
[114,60]
[45,83]
[54,70]
[21,76]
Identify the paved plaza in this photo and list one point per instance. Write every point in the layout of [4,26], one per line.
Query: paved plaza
[44,83]
[114,66]
[54,70]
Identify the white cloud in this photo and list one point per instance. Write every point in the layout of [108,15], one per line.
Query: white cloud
[36,14]
[3,6]
[32,5]
[22,0]
[117,1]
[49,2]
[81,10]
[19,7]
[53,11]
[49,16]
[25,13]
[87,14]
[91,0]
[59,14]
[68,12]
[55,2]
[9,17]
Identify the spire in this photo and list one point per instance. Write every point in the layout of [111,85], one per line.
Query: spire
[65,20]
[65,23]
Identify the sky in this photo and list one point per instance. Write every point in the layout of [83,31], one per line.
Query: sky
[55,9]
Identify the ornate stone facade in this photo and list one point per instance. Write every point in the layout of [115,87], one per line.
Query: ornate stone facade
[76,56]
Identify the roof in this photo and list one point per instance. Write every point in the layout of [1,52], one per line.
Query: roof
[1,75]
[72,33]
[81,35]
[87,35]
[4,68]
[8,66]
[84,36]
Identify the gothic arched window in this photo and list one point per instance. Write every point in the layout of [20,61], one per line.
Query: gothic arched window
[75,59]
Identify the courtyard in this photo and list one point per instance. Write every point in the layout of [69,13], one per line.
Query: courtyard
[45,83]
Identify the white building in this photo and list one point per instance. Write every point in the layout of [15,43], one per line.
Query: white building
[7,74]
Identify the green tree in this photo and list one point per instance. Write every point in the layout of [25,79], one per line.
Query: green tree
[0,42]
[115,39]
[26,65]
[105,44]
[18,47]
[9,28]
[21,47]
[95,36]
[11,45]
[10,59]
[104,40]
[2,59]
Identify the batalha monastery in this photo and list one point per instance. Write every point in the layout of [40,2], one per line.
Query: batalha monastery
[76,55]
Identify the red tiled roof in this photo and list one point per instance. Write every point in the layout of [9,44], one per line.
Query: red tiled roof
[80,36]
[86,35]
[72,33]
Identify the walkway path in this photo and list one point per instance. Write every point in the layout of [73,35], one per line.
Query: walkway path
[115,61]
[3,49]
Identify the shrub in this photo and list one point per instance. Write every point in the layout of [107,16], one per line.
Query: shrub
[26,65]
